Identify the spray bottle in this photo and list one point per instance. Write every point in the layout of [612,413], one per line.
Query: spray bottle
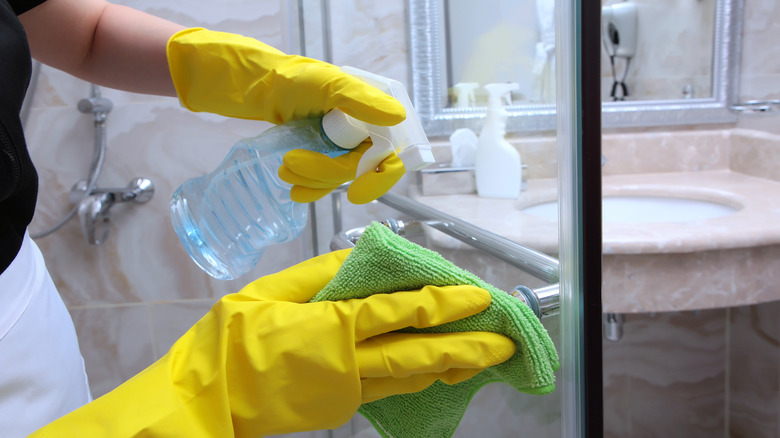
[227,218]
[498,168]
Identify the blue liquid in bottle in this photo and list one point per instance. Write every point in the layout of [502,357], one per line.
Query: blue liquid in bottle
[227,218]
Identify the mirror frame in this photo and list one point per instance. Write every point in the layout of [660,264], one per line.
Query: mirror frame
[427,48]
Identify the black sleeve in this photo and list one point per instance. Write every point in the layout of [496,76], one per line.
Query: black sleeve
[18,178]
[22,6]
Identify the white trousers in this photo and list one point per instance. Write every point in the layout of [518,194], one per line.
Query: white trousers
[42,373]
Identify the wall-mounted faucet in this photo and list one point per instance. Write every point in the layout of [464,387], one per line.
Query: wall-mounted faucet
[91,203]
[93,208]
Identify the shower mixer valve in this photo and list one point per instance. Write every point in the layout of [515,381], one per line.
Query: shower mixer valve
[93,207]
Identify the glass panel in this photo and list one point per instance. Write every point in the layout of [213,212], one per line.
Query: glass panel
[696,354]
[488,236]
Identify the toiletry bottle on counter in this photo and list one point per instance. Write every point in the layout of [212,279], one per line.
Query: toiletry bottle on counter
[228,217]
[464,94]
[498,168]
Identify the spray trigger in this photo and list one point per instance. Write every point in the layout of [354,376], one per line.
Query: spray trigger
[381,149]
[406,139]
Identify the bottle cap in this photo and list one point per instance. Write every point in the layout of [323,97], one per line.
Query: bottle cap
[406,139]
[343,130]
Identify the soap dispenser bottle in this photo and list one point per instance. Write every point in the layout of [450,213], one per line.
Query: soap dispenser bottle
[498,168]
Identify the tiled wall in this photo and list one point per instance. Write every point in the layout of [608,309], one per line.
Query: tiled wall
[123,294]
[666,377]
[133,296]
[695,374]
[760,67]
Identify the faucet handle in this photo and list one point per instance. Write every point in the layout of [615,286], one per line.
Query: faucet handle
[140,190]
[93,214]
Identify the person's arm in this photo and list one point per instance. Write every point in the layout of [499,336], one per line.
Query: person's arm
[103,43]
[221,73]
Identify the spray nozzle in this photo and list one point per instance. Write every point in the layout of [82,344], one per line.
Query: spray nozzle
[499,93]
[406,139]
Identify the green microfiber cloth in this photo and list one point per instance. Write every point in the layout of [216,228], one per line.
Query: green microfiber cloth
[383,262]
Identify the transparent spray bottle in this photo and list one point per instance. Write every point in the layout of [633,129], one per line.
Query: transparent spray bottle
[227,218]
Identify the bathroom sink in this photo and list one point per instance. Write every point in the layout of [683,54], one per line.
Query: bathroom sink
[638,209]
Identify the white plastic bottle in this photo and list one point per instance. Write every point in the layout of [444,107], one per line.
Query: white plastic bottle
[498,168]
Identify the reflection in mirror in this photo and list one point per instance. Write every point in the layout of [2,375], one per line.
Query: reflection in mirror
[657,49]
[494,41]
[681,69]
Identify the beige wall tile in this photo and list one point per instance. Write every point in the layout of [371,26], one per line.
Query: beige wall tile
[116,343]
[754,374]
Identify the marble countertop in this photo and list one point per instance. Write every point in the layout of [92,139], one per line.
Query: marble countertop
[655,266]
[755,223]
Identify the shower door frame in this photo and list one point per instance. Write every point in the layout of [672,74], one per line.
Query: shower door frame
[578,54]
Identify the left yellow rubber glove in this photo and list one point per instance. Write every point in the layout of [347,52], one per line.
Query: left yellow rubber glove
[265,361]
[314,175]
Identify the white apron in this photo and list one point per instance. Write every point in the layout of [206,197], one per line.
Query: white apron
[42,373]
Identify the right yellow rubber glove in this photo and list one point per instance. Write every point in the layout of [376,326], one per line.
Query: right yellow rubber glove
[264,361]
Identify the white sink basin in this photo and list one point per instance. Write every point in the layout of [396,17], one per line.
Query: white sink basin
[638,209]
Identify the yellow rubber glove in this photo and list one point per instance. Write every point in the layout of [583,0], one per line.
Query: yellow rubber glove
[236,76]
[241,77]
[264,361]
[314,175]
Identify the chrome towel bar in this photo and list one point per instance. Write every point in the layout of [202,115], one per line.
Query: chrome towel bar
[540,265]
[544,301]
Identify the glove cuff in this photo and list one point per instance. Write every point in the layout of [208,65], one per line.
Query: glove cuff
[177,65]
[213,71]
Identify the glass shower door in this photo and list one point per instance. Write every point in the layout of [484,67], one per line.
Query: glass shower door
[498,409]
[493,240]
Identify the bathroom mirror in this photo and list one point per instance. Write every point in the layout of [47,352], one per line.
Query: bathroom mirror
[455,44]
